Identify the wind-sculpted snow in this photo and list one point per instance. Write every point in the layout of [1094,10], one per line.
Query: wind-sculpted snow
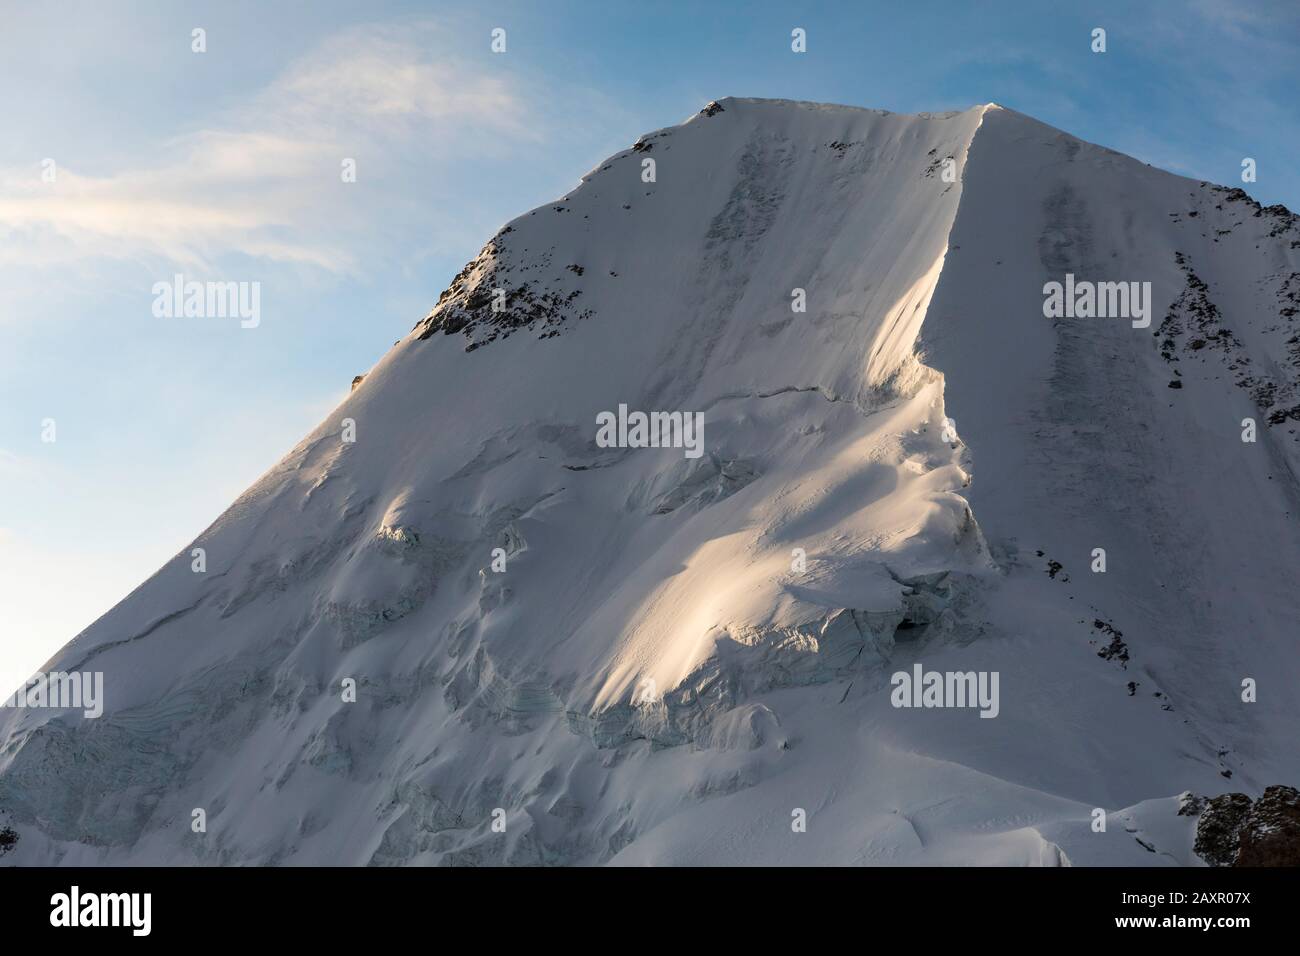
[451,627]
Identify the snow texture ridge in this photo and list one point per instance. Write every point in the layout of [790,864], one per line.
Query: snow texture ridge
[681,653]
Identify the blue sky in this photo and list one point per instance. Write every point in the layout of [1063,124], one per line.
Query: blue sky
[225,165]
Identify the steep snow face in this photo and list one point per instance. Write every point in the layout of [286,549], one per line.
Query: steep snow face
[569,652]
[1093,434]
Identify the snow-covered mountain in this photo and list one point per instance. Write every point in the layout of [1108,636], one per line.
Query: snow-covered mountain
[689,659]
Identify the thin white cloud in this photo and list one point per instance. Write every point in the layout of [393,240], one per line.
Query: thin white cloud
[261,180]
[385,78]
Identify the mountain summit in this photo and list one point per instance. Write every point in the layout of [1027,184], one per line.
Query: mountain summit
[811,484]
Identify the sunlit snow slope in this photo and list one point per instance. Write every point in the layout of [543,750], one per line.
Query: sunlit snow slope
[682,654]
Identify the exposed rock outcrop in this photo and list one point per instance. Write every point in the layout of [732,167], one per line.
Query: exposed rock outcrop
[1234,831]
[1270,835]
[1219,826]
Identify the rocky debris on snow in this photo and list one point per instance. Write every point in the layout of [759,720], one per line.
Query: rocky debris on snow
[936,163]
[8,840]
[1193,312]
[1195,316]
[472,306]
[1281,219]
[1116,650]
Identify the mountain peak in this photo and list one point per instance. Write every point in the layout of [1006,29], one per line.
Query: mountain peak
[632,538]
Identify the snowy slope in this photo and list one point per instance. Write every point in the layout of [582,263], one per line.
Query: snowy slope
[655,678]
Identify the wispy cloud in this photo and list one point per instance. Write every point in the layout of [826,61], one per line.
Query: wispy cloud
[385,79]
[261,178]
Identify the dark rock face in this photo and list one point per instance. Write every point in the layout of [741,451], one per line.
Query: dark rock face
[1116,650]
[1219,826]
[1233,831]
[1270,835]
[1192,805]
[1195,316]
[487,300]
